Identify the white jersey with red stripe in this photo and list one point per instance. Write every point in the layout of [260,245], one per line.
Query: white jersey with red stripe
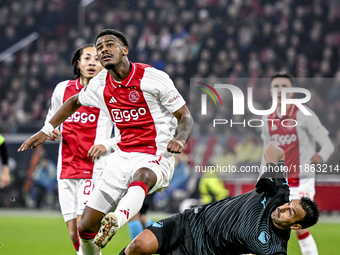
[142,107]
[297,134]
[84,128]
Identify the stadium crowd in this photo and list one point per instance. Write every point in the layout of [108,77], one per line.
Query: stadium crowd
[185,38]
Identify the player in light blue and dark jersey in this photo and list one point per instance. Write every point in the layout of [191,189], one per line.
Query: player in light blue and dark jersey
[256,222]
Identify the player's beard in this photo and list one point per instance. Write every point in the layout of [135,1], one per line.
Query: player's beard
[109,66]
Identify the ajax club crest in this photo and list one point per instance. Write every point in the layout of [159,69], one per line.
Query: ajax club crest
[134,96]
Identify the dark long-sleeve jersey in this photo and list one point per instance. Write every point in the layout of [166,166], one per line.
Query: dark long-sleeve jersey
[241,224]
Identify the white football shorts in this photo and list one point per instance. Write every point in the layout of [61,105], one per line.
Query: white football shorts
[306,188]
[73,196]
[118,174]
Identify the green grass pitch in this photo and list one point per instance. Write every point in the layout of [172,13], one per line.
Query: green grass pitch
[43,233]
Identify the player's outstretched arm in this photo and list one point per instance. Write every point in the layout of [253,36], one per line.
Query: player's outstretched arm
[66,110]
[273,154]
[185,125]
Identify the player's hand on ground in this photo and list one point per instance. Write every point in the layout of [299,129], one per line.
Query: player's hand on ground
[316,159]
[273,153]
[176,146]
[55,135]
[96,151]
[34,141]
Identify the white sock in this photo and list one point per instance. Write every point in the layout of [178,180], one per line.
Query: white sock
[79,252]
[308,246]
[130,204]
[88,247]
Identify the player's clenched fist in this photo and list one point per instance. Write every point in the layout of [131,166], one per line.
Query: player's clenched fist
[34,141]
[175,146]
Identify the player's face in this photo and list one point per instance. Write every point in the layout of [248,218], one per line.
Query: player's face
[110,51]
[89,64]
[286,216]
[280,83]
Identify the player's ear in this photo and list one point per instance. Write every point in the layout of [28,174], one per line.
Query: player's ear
[125,50]
[295,226]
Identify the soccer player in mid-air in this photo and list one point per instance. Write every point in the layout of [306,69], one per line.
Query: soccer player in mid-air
[257,222]
[147,110]
[78,173]
[299,144]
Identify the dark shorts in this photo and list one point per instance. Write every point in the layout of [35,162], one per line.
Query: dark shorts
[146,204]
[173,235]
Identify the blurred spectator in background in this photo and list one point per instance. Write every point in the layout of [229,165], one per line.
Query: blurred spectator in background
[247,150]
[44,188]
[212,188]
[260,36]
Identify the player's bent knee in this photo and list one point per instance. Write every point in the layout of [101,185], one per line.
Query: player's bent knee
[145,175]
[90,220]
[83,226]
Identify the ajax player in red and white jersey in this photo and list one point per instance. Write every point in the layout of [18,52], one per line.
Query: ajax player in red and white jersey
[297,134]
[76,172]
[147,109]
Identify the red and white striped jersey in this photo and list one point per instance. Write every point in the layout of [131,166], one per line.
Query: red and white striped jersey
[297,134]
[141,107]
[84,128]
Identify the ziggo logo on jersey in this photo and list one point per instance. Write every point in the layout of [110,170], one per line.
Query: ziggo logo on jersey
[127,115]
[284,139]
[82,117]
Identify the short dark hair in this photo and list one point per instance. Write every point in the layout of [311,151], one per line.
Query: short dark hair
[312,212]
[283,74]
[76,56]
[115,33]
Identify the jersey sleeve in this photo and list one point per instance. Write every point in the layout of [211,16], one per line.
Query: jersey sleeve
[111,144]
[91,94]
[56,100]
[319,133]
[281,176]
[273,176]
[87,96]
[168,95]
